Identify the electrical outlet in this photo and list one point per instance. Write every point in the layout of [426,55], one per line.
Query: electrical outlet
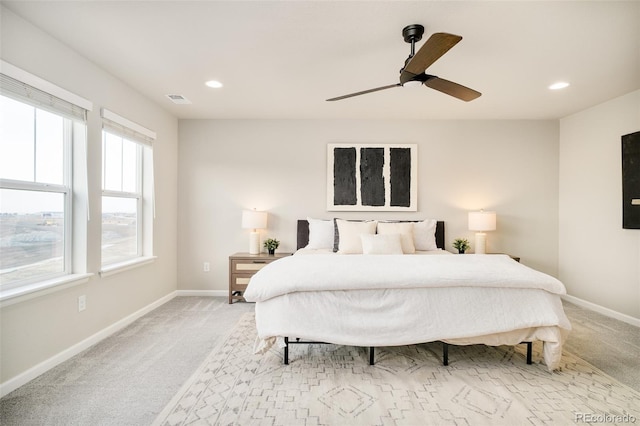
[206,267]
[82,303]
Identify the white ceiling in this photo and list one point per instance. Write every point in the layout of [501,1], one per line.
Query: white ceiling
[282,59]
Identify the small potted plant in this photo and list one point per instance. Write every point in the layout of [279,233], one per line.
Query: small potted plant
[271,244]
[462,244]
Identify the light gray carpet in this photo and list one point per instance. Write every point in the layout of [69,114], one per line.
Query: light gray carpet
[611,345]
[334,385]
[130,377]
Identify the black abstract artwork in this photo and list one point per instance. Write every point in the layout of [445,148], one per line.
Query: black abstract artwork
[400,177]
[631,181]
[344,172]
[371,177]
[372,181]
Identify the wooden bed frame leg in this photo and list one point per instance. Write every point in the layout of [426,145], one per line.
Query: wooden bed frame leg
[286,351]
[445,353]
[529,352]
[371,355]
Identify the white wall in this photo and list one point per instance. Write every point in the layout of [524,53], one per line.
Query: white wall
[599,262]
[35,330]
[226,166]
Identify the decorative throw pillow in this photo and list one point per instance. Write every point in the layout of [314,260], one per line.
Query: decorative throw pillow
[349,232]
[320,234]
[404,229]
[424,235]
[381,244]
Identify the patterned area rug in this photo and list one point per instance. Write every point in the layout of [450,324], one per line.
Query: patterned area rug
[335,385]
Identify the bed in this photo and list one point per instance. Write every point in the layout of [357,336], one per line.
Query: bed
[370,300]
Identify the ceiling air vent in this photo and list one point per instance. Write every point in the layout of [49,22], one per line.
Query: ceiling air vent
[178,99]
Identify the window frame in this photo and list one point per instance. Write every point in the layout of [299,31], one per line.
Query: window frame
[30,89]
[138,196]
[66,189]
[144,138]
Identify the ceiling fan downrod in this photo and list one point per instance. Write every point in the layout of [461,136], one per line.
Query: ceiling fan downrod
[412,34]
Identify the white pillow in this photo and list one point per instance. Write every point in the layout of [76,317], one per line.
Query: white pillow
[405,229]
[349,233]
[424,235]
[381,244]
[320,234]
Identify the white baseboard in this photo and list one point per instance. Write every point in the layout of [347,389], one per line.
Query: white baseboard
[208,293]
[602,310]
[22,379]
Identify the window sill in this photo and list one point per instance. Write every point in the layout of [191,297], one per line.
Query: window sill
[116,268]
[30,291]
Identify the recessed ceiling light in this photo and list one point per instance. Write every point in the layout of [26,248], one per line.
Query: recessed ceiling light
[559,85]
[214,84]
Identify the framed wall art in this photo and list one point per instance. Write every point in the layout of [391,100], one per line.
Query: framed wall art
[372,177]
[631,181]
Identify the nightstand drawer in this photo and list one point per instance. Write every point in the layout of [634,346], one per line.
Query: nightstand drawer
[247,265]
[239,280]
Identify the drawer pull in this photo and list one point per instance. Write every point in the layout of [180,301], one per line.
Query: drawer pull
[259,261]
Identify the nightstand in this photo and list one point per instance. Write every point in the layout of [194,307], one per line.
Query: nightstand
[516,258]
[242,266]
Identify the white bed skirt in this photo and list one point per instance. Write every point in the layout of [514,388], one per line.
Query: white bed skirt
[458,315]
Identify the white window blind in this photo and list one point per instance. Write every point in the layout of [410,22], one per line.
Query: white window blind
[126,128]
[30,89]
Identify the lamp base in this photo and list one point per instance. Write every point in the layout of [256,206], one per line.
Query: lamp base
[481,243]
[254,243]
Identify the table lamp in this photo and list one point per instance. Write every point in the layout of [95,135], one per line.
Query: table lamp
[480,222]
[254,220]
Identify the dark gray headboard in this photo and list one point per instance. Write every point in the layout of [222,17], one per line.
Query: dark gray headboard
[303,233]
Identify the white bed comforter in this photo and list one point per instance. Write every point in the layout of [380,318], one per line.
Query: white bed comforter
[357,272]
[381,301]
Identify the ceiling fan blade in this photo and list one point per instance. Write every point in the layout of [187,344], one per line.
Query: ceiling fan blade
[363,92]
[454,89]
[436,46]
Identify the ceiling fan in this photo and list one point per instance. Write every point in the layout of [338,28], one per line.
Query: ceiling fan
[415,65]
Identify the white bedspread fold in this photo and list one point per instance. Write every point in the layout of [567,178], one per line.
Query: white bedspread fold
[358,272]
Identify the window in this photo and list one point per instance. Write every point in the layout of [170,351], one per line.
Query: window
[121,199]
[37,134]
[127,191]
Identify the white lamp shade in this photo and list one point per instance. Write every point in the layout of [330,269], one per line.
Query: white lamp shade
[482,221]
[252,219]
